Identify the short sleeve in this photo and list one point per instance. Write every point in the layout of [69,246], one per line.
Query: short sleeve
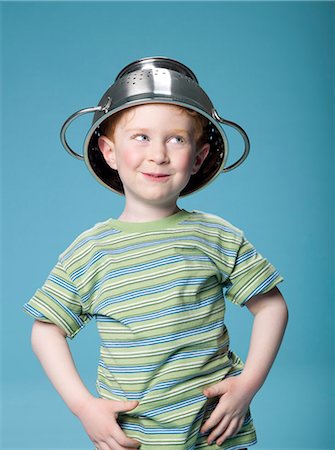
[252,274]
[58,302]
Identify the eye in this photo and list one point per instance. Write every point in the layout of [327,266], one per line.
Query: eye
[141,137]
[177,140]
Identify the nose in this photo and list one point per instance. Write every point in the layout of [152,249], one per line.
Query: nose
[158,153]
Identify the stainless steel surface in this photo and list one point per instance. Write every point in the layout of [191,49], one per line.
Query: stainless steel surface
[245,139]
[72,118]
[157,62]
[156,80]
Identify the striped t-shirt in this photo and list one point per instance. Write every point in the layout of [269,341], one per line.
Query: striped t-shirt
[157,291]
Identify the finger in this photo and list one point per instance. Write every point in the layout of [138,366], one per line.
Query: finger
[125,406]
[122,439]
[114,445]
[215,391]
[219,429]
[102,446]
[240,423]
[230,431]
[110,445]
[215,418]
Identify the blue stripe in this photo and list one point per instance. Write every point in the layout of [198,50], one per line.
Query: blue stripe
[129,369]
[262,286]
[98,255]
[246,256]
[67,310]
[31,310]
[215,226]
[163,385]
[166,312]
[161,339]
[149,291]
[210,353]
[141,394]
[139,268]
[235,447]
[70,313]
[174,406]
[60,282]
[126,270]
[118,251]
[84,241]
[147,430]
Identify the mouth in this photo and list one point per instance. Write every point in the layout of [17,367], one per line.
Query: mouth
[156,176]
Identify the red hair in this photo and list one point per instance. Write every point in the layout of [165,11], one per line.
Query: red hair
[200,123]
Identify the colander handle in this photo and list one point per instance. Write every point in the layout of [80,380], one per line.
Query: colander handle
[245,139]
[74,116]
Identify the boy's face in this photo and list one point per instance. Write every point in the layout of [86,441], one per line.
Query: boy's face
[154,151]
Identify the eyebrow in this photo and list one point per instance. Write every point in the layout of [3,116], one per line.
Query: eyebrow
[142,130]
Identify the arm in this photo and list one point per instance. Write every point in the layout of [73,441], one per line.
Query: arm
[270,319]
[98,416]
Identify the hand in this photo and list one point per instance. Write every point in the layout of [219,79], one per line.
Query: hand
[228,416]
[99,418]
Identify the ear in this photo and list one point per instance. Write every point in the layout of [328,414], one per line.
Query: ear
[107,149]
[200,158]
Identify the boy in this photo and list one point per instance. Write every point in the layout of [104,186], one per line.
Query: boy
[153,279]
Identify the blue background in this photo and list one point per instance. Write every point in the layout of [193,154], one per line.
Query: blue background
[266,65]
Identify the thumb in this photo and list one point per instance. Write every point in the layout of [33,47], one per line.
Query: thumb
[216,390]
[126,406]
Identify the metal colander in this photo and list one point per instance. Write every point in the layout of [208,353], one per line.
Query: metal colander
[156,80]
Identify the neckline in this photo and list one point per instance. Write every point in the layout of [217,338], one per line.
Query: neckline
[159,224]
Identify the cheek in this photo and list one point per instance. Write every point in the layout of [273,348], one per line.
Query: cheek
[186,162]
[128,158]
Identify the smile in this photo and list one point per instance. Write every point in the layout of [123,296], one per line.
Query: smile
[156,176]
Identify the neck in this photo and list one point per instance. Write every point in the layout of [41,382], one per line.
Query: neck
[147,213]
